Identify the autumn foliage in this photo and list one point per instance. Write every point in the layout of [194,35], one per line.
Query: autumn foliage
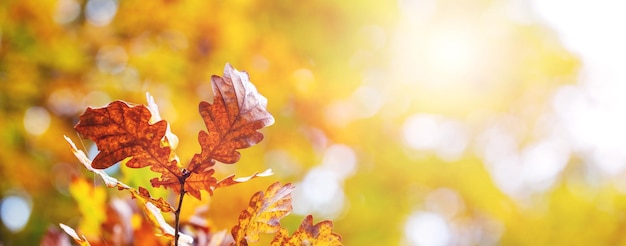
[136,136]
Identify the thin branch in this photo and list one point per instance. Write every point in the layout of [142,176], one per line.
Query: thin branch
[181,180]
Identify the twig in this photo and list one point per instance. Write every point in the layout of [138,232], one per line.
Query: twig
[181,180]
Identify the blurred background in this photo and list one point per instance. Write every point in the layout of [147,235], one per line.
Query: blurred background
[408,122]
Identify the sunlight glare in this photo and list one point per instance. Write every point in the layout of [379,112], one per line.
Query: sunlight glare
[417,10]
[453,54]
[595,126]
[593,110]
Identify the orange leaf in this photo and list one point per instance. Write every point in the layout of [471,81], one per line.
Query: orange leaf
[232,121]
[194,183]
[111,182]
[121,131]
[263,213]
[145,197]
[200,181]
[167,180]
[309,234]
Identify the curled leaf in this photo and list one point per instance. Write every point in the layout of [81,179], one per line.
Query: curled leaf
[263,213]
[80,155]
[231,180]
[142,194]
[154,215]
[82,241]
[170,138]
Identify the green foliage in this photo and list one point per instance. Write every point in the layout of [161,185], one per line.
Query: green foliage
[359,75]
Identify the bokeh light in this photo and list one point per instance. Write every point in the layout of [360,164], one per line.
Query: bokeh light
[322,188]
[100,12]
[36,120]
[15,210]
[425,228]
[411,122]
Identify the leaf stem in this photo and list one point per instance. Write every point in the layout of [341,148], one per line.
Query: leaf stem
[181,180]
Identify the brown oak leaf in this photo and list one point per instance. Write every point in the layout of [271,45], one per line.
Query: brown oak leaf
[122,131]
[309,234]
[200,181]
[141,194]
[194,183]
[232,120]
[263,213]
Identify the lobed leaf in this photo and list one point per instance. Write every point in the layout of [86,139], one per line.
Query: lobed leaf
[111,182]
[200,181]
[263,213]
[309,234]
[194,183]
[144,196]
[232,120]
[122,131]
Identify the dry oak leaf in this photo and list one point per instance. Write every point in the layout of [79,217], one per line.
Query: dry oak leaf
[263,213]
[309,234]
[232,120]
[122,131]
[142,194]
[200,181]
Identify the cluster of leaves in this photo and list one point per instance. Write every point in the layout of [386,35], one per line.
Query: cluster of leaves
[137,136]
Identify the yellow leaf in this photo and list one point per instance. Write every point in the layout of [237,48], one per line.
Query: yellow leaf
[309,234]
[91,204]
[263,213]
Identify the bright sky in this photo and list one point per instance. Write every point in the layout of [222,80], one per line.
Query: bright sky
[588,118]
[594,110]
